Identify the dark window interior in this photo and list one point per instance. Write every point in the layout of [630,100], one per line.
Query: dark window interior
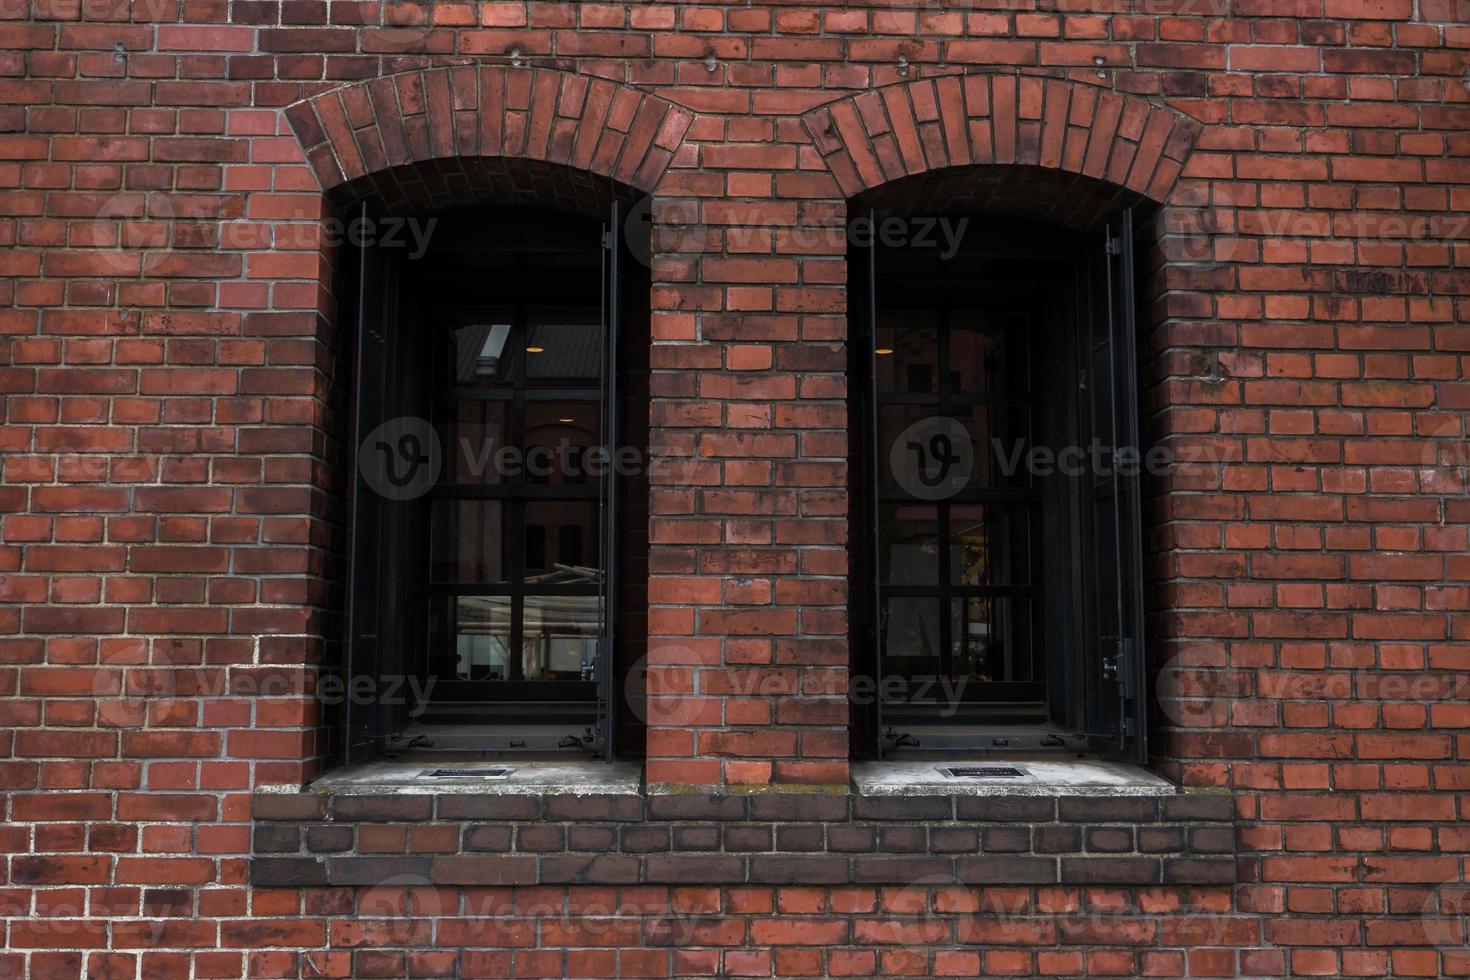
[973,627]
[510,590]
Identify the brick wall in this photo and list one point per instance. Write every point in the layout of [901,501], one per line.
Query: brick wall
[171,530]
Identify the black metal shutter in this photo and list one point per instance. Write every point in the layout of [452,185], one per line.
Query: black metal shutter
[365,561]
[863,316]
[1112,547]
[607,646]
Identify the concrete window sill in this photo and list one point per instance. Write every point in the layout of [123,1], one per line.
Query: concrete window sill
[539,777]
[1065,777]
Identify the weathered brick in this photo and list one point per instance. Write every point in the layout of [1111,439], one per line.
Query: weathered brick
[791,869]
[382,808]
[488,837]
[457,806]
[1109,870]
[288,806]
[1005,808]
[902,807]
[1198,806]
[344,870]
[690,870]
[1107,808]
[1006,869]
[1199,871]
[694,807]
[594,807]
[273,872]
[591,870]
[276,838]
[481,870]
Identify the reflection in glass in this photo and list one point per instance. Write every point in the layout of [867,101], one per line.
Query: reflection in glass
[465,542]
[991,638]
[564,348]
[472,435]
[909,535]
[559,435]
[892,421]
[999,436]
[987,354]
[481,637]
[482,354]
[559,636]
[989,544]
[532,438]
[568,532]
[911,636]
[907,349]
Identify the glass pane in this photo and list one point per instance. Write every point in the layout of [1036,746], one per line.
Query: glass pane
[561,543]
[559,438]
[987,354]
[481,634]
[467,541]
[898,466]
[911,638]
[908,540]
[480,354]
[992,640]
[999,438]
[473,437]
[564,348]
[989,544]
[907,349]
[560,636]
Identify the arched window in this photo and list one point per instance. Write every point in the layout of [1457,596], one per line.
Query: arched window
[998,589]
[488,408]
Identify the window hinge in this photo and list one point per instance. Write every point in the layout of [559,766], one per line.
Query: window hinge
[1112,246]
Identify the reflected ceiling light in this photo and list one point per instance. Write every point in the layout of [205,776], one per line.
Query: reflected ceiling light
[535,350]
[566,420]
[881,351]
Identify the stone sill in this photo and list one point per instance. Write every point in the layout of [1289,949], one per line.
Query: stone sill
[372,834]
[541,777]
[1045,777]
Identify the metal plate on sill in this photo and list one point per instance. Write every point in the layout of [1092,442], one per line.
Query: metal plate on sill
[492,772]
[984,772]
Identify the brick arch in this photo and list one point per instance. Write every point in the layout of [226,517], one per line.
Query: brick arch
[417,136]
[926,125]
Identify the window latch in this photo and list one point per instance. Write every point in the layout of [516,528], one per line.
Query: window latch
[1112,670]
[1116,670]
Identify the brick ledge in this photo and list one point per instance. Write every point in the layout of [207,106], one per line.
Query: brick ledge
[323,839]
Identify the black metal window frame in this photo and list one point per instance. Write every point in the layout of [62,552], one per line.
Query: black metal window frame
[388,583]
[944,402]
[519,494]
[1091,595]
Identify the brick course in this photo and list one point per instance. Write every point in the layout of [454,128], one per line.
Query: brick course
[171,540]
[327,839]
